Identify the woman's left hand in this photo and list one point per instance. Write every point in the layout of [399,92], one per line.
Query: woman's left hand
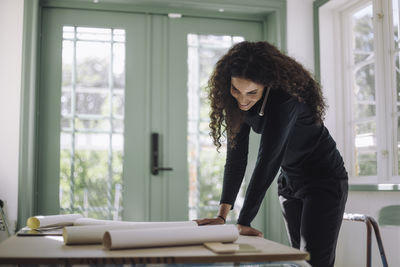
[210,221]
[247,230]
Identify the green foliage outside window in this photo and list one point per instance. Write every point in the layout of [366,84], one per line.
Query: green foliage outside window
[90,183]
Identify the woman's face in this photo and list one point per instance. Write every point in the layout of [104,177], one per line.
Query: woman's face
[246,92]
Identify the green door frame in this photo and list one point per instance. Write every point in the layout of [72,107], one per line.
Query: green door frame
[272,14]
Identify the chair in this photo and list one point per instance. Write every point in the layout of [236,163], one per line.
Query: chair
[371,224]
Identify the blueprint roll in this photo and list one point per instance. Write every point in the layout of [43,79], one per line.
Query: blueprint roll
[41,222]
[93,234]
[176,236]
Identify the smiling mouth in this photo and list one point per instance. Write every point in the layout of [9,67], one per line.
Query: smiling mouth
[243,106]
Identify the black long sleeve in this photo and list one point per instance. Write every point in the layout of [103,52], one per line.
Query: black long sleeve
[291,139]
[235,166]
[279,123]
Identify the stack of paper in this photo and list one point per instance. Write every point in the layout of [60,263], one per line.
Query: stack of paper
[123,235]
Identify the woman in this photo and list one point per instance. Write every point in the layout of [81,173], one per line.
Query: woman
[255,86]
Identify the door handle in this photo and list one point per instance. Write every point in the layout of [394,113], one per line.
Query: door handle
[155,169]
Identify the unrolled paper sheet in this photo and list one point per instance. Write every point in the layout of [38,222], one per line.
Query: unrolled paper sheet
[122,239]
[93,234]
[90,221]
[37,222]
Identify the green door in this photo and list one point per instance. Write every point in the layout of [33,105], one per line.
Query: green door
[93,141]
[195,44]
[110,80]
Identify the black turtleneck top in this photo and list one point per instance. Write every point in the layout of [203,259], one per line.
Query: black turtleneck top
[291,139]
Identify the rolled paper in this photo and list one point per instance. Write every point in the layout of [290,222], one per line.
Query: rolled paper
[37,222]
[93,234]
[177,236]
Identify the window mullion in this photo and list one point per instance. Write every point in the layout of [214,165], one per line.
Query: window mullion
[383,125]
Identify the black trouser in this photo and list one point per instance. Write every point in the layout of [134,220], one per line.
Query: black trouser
[313,212]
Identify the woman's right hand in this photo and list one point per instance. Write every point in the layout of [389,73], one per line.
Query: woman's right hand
[222,213]
[248,230]
[210,221]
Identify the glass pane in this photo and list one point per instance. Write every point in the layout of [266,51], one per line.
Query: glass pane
[365,111]
[364,87]
[66,124]
[365,142]
[65,169]
[92,124]
[118,125]
[397,69]
[93,34]
[119,65]
[67,61]
[118,104]
[66,101]
[363,34]
[91,157]
[363,77]
[365,134]
[366,164]
[363,54]
[92,103]
[396,14]
[206,165]
[93,64]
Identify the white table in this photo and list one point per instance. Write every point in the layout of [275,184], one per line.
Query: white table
[51,250]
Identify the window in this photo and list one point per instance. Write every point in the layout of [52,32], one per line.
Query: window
[372,91]
[92,121]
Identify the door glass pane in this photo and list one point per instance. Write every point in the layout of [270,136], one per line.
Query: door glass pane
[364,97]
[206,165]
[92,114]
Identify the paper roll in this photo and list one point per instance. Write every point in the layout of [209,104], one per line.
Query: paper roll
[93,234]
[37,222]
[141,238]
[90,221]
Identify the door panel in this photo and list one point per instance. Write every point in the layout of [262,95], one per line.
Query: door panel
[179,29]
[92,64]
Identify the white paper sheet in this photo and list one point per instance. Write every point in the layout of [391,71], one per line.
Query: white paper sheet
[40,222]
[158,237]
[93,234]
[90,221]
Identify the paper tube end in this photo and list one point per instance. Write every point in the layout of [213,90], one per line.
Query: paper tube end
[33,223]
[107,240]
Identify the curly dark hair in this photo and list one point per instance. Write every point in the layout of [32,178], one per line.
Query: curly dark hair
[262,63]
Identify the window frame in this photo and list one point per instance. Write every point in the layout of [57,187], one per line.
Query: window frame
[386,114]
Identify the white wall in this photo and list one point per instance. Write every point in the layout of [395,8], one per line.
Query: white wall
[11,20]
[300,32]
